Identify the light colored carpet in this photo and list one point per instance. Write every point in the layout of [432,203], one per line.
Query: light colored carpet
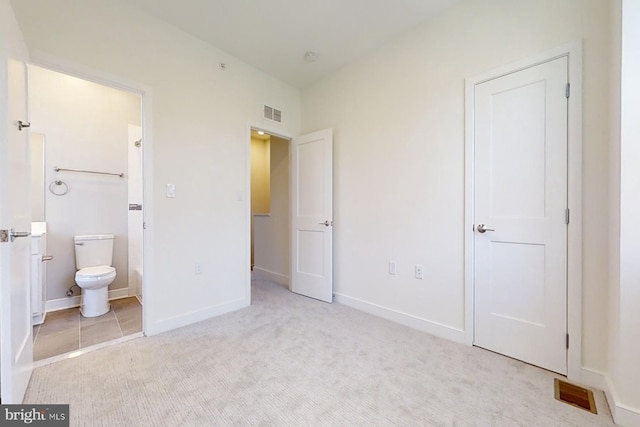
[291,361]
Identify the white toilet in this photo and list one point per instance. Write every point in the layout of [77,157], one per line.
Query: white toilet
[94,255]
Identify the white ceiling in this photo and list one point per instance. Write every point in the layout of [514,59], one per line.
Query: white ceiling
[273,35]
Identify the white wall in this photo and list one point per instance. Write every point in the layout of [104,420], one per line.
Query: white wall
[398,120]
[272,232]
[624,316]
[86,127]
[38,190]
[199,143]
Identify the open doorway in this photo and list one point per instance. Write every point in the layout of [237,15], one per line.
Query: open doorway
[270,226]
[292,242]
[87,186]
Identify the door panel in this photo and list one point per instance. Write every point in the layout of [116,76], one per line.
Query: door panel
[312,213]
[15,257]
[516,289]
[520,180]
[518,183]
[311,178]
[310,252]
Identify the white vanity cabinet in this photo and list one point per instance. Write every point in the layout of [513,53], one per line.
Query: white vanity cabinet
[38,272]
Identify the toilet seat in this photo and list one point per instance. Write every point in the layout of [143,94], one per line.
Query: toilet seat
[95,272]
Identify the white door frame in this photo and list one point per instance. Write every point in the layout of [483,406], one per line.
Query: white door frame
[70,68]
[266,129]
[573,52]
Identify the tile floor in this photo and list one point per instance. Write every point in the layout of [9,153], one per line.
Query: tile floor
[67,330]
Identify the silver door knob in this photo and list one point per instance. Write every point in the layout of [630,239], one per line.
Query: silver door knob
[483,229]
[326,223]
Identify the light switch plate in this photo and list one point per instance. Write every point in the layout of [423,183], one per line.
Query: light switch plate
[171,190]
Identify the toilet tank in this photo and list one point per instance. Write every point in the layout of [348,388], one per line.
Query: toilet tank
[93,250]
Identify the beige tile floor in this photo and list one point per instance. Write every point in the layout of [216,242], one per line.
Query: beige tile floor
[67,330]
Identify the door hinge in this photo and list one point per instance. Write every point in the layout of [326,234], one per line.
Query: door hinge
[4,236]
[567,92]
[567,216]
[567,341]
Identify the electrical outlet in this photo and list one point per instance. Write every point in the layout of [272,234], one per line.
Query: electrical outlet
[419,272]
[198,268]
[392,267]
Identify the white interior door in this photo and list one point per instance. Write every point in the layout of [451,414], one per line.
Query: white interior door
[312,215]
[520,264]
[15,256]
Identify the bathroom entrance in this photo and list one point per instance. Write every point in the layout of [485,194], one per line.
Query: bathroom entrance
[86,180]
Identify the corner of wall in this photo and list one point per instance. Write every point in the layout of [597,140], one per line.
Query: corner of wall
[263,273]
[622,414]
[424,325]
[186,319]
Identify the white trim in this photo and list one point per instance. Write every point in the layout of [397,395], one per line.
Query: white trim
[64,66]
[593,378]
[424,325]
[622,414]
[195,316]
[282,279]
[574,202]
[469,191]
[71,68]
[249,217]
[119,293]
[573,52]
[74,301]
[38,319]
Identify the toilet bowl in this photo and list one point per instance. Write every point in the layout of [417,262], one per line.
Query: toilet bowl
[94,254]
[94,282]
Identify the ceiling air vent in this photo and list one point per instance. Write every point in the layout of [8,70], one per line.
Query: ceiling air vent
[272,114]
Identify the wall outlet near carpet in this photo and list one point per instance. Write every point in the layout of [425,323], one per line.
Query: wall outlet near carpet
[419,272]
[198,268]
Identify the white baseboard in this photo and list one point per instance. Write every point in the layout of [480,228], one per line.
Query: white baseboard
[622,414]
[119,293]
[282,279]
[428,326]
[591,378]
[196,316]
[74,301]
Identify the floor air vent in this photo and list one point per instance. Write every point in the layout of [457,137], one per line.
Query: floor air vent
[575,395]
[272,114]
